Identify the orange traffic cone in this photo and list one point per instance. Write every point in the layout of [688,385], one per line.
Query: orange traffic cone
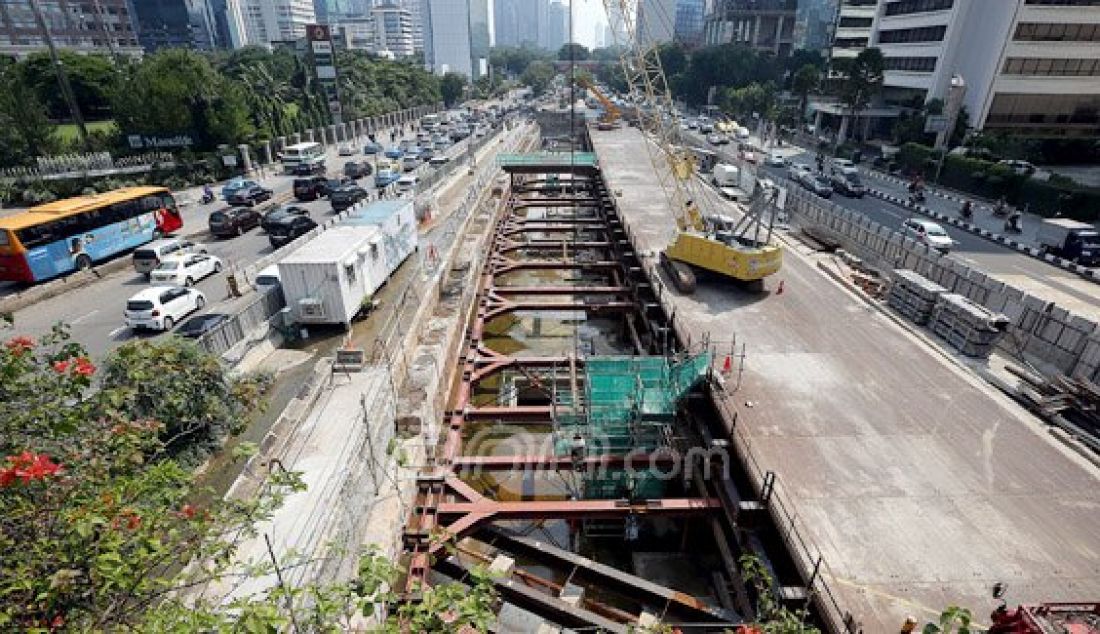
[727,365]
[779,291]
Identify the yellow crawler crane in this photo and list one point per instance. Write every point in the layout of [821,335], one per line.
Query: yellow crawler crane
[740,250]
[611,113]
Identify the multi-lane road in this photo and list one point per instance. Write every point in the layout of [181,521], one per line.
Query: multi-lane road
[94,310]
[1034,276]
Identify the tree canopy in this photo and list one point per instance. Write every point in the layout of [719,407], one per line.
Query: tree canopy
[452,86]
[538,76]
[573,51]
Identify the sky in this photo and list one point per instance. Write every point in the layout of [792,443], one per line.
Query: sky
[587,13]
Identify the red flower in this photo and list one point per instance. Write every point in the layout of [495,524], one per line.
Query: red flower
[28,466]
[20,345]
[57,623]
[84,367]
[61,366]
[133,521]
[188,511]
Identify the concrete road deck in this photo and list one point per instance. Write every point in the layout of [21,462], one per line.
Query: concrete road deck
[920,485]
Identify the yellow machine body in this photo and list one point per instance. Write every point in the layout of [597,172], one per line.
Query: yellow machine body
[742,263]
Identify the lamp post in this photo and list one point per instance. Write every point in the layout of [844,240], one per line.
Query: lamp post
[955,95]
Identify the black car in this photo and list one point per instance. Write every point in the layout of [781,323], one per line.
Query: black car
[233,221]
[346,196]
[307,169]
[310,188]
[249,196]
[277,215]
[355,169]
[199,325]
[289,229]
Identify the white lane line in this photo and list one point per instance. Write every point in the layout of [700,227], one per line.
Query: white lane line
[82,318]
[116,332]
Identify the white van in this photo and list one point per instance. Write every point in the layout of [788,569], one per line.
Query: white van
[407,183]
[267,278]
[149,257]
[742,134]
[309,153]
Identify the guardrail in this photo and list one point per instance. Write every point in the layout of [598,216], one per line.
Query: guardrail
[240,325]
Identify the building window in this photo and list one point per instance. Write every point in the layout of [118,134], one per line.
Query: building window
[1010,109]
[850,42]
[1052,67]
[910,64]
[1046,32]
[905,7]
[919,34]
[849,22]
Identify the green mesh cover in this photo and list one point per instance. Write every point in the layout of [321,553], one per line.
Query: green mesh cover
[628,404]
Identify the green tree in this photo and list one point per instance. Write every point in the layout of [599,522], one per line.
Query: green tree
[674,59]
[452,85]
[754,98]
[953,620]
[728,65]
[805,81]
[25,132]
[177,91]
[771,616]
[92,78]
[573,51]
[862,82]
[538,76]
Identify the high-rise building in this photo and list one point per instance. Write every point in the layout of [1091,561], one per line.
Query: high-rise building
[853,27]
[87,26]
[557,26]
[616,26]
[457,36]
[269,21]
[764,25]
[1031,67]
[688,29]
[415,9]
[655,22]
[516,22]
[386,30]
[814,23]
[175,24]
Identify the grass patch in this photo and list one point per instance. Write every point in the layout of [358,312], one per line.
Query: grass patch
[67,132]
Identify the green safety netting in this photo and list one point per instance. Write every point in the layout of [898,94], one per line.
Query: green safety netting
[629,403]
[552,159]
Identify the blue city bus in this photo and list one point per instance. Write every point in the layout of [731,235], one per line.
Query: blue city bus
[72,234]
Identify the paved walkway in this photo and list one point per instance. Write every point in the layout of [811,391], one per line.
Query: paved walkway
[919,484]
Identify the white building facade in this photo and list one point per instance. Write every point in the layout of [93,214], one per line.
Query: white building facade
[268,21]
[1030,66]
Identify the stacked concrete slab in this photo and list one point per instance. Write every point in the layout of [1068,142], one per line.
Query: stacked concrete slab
[968,327]
[913,296]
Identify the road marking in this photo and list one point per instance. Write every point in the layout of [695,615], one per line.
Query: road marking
[114,333]
[82,318]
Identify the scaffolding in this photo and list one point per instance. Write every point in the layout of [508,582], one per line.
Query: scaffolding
[627,404]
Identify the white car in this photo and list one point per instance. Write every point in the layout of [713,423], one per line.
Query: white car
[185,270]
[775,159]
[841,165]
[161,307]
[796,170]
[928,232]
[407,183]
[346,150]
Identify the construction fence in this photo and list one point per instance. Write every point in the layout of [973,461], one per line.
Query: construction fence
[1052,338]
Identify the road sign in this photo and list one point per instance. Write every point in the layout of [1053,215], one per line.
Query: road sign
[935,124]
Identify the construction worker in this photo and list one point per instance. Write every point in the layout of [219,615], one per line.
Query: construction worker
[577,451]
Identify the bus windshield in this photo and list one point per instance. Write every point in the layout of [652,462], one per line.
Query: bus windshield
[70,234]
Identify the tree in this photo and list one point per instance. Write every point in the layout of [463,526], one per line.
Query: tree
[863,81]
[754,98]
[771,616]
[177,91]
[674,60]
[102,530]
[538,76]
[724,66]
[25,132]
[805,81]
[573,51]
[452,86]
[92,78]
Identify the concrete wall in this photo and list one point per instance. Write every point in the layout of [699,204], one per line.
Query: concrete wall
[1042,333]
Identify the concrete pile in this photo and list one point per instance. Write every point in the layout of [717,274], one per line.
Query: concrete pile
[969,327]
[913,296]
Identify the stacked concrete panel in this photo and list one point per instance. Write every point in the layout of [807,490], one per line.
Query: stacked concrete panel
[914,296]
[968,327]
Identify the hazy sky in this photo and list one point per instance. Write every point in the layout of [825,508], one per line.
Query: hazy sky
[586,14]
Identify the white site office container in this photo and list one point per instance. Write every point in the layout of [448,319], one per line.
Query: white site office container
[326,280]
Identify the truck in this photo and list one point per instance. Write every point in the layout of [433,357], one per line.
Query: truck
[726,175]
[731,181]
[334,276]
[1070,239]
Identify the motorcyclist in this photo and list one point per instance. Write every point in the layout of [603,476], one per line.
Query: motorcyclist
[967,210]
[207,194]
[1012,222]
[1001,208]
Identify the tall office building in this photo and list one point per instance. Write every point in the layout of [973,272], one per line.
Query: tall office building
[814,23]
[655,22]
[415,9]
[516,22]
[386,30]
[688,29]
[457,36]
[86,26]
[764,25]
[175,24]
[616,26]
[853,27]
[269,21]
[557,26]
[1031,67]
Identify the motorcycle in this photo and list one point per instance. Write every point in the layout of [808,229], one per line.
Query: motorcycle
[207,197]
[917,198]
[1012,223]
[1000,209]
[967,211]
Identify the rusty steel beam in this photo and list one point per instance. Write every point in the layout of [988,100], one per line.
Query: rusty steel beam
[570,509]
[593,307]
[554,245]
[561,290]
[528,413]
[644,460]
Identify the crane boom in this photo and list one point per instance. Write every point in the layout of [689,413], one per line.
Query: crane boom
[611,111]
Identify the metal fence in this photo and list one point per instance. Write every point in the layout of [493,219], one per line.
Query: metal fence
[244,323]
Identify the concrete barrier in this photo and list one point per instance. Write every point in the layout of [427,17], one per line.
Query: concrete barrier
[1052,338]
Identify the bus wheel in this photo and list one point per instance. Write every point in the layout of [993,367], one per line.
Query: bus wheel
[83,262]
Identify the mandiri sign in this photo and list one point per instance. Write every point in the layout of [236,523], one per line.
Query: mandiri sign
[142,142]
